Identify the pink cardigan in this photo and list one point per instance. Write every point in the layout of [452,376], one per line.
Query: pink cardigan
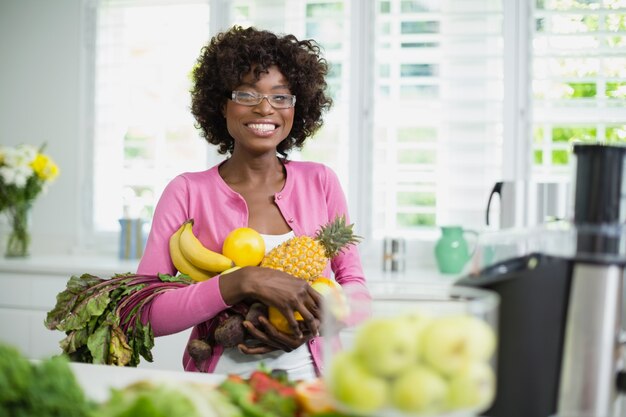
[312,196]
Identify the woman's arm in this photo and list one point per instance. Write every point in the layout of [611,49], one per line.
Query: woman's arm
[170,212]
[182,308]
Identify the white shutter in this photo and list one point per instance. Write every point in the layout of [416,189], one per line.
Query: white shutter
[579,80]
[143,130]
[438,107]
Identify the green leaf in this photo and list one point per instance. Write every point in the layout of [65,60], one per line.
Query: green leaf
[178,278]
[55,391]
[88,311]
[280,405]
[98,344]
[120,353]
[76,290]
[15,377]
[74,340]
[145,338]
[82,314]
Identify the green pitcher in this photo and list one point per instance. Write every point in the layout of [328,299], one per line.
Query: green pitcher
[452,250]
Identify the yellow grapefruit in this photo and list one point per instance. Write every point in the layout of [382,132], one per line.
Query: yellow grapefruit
[245,246]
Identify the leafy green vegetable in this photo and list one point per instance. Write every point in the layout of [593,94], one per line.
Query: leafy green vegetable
[279,405]
[102,317]
[144,399]
[15,376]
[47,388]
[149,399]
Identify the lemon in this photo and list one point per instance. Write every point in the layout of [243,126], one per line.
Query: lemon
[322,285]
[244,246]
[278,320]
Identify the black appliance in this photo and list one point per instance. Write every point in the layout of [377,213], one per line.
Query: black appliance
[560,318]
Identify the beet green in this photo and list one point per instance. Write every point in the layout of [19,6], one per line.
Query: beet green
[102,317]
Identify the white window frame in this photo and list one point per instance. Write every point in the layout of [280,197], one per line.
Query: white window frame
[419,249]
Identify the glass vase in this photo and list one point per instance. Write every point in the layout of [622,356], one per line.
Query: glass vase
[18,244]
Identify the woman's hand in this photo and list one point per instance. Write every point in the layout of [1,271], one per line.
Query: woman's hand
[270,339]
[279,289]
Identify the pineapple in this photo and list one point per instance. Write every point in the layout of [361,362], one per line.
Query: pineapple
[305,257]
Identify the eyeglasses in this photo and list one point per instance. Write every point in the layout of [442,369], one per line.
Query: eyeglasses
[278,101]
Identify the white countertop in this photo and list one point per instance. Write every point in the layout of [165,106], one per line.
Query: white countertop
[68,264]
[97,380]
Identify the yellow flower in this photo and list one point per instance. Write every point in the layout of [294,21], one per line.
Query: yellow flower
[44,167]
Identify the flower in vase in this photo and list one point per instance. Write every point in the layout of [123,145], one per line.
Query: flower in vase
[25,172]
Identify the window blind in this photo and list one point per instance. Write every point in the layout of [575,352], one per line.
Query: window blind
[143,131]
[427,132]
[579,80]
[438,106]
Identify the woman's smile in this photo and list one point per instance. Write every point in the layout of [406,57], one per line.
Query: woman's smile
[248,123]
[263,129]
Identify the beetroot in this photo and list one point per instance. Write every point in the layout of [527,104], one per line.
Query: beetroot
[200,351]
[256,310]
[231,332]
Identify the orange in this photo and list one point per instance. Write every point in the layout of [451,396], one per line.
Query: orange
[245,246]
[279,321]
[313,397]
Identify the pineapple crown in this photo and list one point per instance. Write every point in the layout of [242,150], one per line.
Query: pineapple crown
[336,236]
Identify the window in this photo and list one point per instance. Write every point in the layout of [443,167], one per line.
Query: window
[579,79]
[437,121]
[421,89]
[143,130]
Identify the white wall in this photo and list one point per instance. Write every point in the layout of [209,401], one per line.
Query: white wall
[40,44]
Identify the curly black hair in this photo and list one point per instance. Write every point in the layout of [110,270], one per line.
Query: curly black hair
[231,55]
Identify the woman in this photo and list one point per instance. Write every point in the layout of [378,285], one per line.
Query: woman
[256,96]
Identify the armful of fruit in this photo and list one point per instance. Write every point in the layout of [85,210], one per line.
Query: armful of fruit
[293,313]
[255,328]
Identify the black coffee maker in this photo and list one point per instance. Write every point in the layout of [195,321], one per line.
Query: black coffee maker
[560,318]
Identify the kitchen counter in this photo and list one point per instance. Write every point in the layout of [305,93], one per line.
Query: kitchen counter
[68,265]
[107,265]
[29,286]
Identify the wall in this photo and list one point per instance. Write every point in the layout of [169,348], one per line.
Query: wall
[40,44]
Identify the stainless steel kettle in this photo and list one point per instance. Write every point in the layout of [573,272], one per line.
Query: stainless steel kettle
[560,318]
[505,213]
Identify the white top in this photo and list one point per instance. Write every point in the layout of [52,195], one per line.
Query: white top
[298,363]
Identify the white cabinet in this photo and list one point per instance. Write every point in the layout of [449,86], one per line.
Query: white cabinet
[28,290]
[24,301]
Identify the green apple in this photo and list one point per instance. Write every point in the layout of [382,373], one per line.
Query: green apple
[352,385]
[450,343]
[418,321]
[420,390]
[473,387]
[386,346]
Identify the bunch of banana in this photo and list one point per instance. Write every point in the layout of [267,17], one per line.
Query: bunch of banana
[192,258]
